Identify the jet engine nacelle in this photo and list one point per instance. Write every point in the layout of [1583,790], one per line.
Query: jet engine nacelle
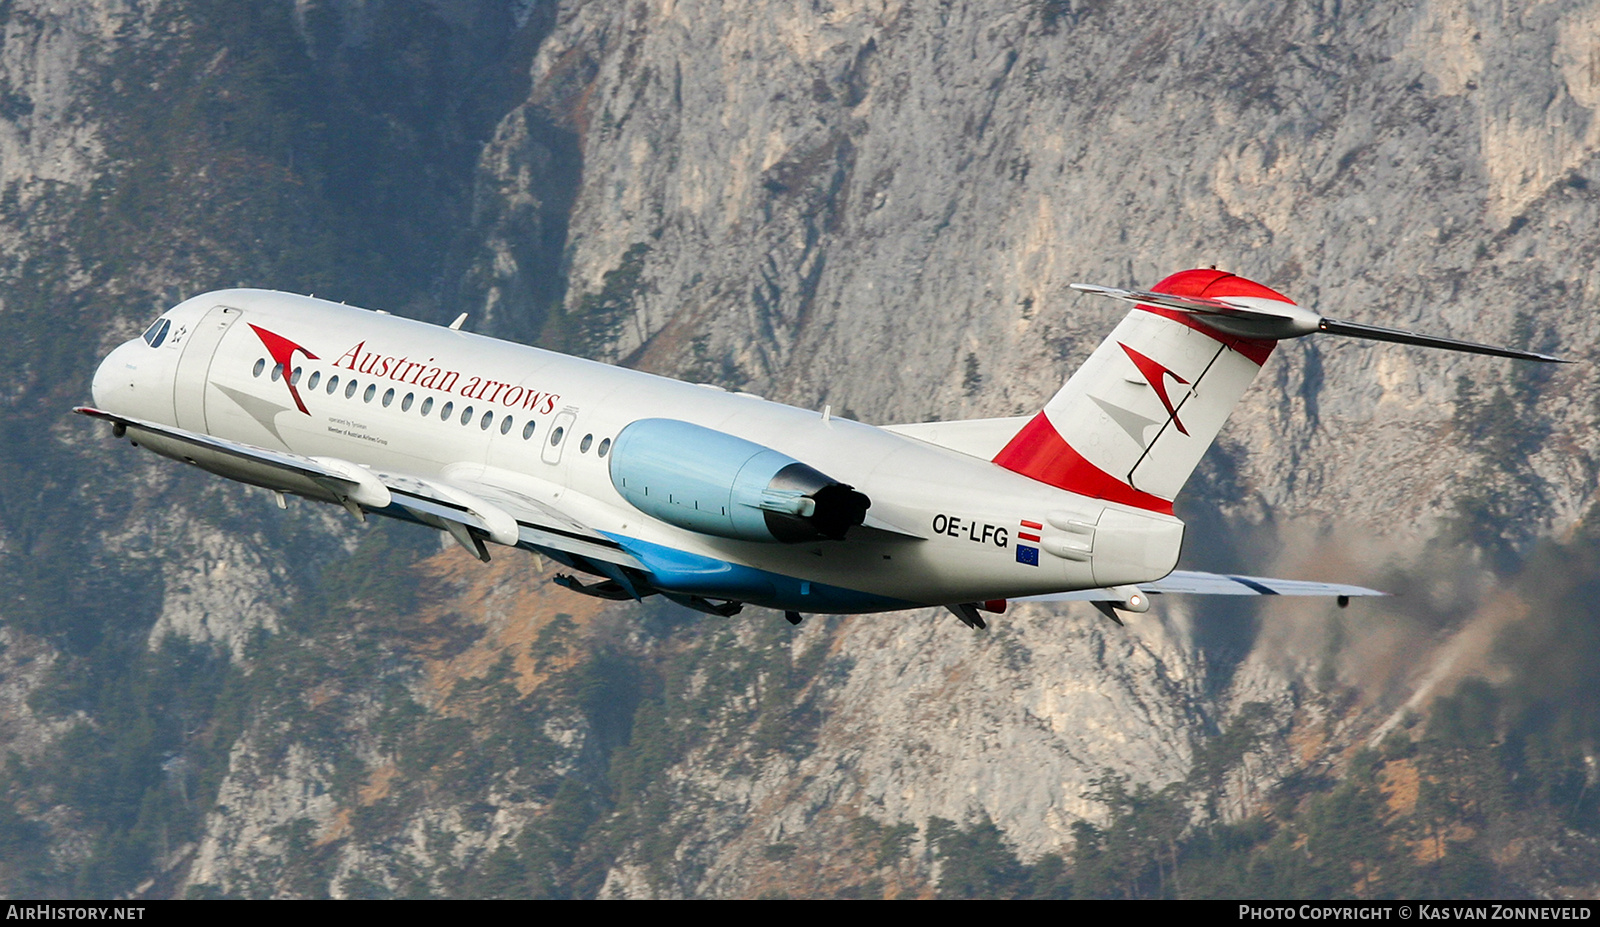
[714,483]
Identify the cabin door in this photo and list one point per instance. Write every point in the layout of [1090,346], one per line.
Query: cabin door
[192,382]
[556,439]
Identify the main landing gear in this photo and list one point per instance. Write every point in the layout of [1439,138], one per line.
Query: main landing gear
[607,589]
[968,612]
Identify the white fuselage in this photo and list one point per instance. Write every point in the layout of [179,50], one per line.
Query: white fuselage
[214,373]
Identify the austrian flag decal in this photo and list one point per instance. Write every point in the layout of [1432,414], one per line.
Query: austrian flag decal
[1029,532]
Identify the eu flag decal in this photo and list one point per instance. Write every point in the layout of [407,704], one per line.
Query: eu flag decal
[1028,532]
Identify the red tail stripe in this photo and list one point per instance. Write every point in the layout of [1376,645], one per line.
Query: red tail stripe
[1256,349]
[1217,284]
[1039,452]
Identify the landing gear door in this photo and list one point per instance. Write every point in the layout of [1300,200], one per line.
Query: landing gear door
[556,438]
[189,386]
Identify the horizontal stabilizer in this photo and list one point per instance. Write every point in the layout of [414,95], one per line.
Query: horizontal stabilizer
[1194,583]
[1256,317]
[1400,336]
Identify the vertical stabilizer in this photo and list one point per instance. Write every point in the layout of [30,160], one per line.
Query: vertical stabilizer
[1132,423]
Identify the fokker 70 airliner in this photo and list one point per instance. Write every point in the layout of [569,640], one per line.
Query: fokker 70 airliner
[717,499]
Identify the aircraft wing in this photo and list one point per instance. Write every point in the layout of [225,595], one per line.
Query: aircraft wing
[288,463]
[541,522]
[470,510]
[1194,583]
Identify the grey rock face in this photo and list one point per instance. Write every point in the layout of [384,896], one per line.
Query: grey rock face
[879,206]
[45,138]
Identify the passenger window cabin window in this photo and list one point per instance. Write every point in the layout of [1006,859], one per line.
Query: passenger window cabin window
[527,430]
[316,377]
[488,419]
[405,404]
[555,436]
[444,413]
[333,384]
[427,405]
[388,397]
[277,371]
[294,377]
[261,364]
[605,445]
[505,425]
[583,446]
[372,390]
[350,389]
[466,415]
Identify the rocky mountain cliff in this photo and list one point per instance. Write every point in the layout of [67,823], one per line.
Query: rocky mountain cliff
[872,206]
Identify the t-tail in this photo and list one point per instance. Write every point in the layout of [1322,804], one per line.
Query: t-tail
[1131,424]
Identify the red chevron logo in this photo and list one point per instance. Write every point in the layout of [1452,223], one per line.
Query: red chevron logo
[1156,375]
[282,351]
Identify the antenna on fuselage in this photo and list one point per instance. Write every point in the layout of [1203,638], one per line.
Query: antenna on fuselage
[456,325]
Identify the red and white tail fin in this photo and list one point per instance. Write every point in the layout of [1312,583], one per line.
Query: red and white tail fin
[1131,424]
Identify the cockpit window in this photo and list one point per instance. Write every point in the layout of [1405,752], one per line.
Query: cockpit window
[157,332]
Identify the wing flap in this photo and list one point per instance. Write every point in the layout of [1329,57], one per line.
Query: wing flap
[542,520]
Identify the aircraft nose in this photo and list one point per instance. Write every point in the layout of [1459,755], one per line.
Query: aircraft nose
[113,376]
